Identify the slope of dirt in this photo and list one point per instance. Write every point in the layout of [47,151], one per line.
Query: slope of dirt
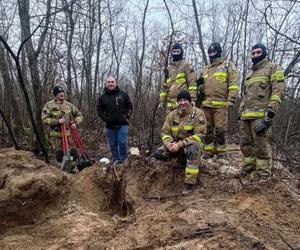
[139,206]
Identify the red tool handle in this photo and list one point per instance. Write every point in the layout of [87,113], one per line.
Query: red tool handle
[77,141]
[64,139]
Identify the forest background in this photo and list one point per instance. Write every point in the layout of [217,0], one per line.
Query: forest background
[78,43]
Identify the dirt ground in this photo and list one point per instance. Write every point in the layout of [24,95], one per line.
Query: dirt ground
[139,206]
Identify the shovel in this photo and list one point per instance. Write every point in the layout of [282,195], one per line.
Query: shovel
[66,162]
[83,158]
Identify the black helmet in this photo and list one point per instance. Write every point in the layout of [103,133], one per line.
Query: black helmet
[57,89]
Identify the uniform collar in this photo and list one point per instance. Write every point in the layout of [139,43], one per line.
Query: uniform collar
[217,61]
[183,113]
[58,102]
[176,63]
[260,64]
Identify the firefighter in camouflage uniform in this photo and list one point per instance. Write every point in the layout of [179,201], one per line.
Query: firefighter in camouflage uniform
[264,87]
[56,112]
[220,81]
[182,134]
[180,77]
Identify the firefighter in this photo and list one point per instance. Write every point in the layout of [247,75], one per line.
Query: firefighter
[220,81]
[182,134]
[181,76]
[263,94]
[56,112]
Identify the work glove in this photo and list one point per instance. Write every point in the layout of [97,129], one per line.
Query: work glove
[200,92]
[270,113]
[262,125]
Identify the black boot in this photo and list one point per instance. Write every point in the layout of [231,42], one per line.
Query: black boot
[187,188]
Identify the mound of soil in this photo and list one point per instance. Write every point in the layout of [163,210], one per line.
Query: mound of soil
[27,187]
[139,206]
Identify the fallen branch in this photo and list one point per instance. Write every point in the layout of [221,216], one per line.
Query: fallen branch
[285,241]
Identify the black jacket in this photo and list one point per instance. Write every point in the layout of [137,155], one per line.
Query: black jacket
[114,107]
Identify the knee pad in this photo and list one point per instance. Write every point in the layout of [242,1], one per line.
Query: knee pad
[192,151]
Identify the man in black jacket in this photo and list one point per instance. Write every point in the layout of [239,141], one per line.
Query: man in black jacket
[115,107]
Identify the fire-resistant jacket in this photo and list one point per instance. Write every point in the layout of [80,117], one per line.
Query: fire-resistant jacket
[264,87]
[221,84]
[181,77]
[184,127]
[54,110]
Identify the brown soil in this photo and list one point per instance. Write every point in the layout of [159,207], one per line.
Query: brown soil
[139,206]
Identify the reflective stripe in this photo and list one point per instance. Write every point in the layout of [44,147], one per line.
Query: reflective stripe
[193,88]
[209,147]
[276,98]
[224,74]
[190,170]
[221,76]
[278,76]
[234,87]
[162,94]
[216,103]
[180,75]
[188,127]
[165,137]
[180,80]
[170,104]
[198,139]
[253,114]
[221,149]
[174,129]
[169,80]
[249,161]
[219,103]
[257,79]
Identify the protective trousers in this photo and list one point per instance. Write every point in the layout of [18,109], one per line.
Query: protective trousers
[255,148]
[216,119]
[193,156]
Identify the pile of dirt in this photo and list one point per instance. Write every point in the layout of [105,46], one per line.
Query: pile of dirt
[139,206]
[27,187]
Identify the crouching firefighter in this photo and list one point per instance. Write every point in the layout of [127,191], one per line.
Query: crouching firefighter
[57,112]
[182,134]
[264,87]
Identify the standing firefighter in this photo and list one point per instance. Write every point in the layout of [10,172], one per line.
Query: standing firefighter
[57,112]
[263,94]
[182,135]
[180,77]
[221,85]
